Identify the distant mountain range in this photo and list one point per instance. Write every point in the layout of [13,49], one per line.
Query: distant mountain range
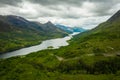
[17,32]
[8,23]
[70,29]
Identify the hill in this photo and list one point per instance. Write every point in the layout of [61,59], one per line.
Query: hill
[91,55]
[103,39]
[17,32]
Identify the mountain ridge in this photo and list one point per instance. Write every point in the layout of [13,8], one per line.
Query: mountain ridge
[114,17]
[24,32]
[70,29]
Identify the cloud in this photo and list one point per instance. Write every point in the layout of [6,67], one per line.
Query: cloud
[82,13]
[57,2]
[9,2]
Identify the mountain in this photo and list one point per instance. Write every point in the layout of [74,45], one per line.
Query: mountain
[78,29]
[104,39]
[70,29]
[17,32]
[51,28]
[91,55]
[65,28]
[115,17]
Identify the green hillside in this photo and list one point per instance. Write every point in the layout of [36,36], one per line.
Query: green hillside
[92,55]
[17,32]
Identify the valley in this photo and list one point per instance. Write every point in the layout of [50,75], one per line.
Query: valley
[17,32]
[57,52]
[47,44]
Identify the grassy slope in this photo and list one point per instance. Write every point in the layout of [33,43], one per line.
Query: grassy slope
[44,66]
[90,56]
[102,40]
[15,40]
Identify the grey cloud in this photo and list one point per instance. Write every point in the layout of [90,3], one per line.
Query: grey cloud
[102,6]
[104,1]
[65,10]
[9,2]
[56,2]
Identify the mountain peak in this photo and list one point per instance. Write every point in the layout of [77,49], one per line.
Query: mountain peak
[116,16]
[49,22]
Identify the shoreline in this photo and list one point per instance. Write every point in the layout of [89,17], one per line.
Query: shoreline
[38,47]
[7,51]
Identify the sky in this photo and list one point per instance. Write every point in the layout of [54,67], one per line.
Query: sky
[74,13]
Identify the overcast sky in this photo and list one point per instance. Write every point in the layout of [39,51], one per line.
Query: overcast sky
[81,13]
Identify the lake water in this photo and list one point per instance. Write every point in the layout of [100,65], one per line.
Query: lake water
[55,43]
